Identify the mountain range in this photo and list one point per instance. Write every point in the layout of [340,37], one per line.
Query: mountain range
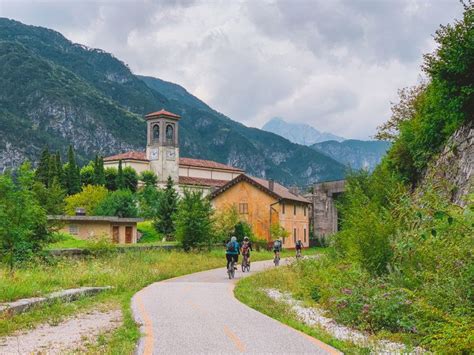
[55,93]
[355,154]
[298,132]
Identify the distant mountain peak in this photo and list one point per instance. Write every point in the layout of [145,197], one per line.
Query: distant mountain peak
[299,133]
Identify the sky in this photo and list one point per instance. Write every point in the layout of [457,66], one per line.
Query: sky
[333,64]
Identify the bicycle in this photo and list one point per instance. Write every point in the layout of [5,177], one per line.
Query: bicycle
[298,254]
[245,263]
[231,269]
[276,260]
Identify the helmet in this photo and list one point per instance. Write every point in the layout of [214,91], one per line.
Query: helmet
[246,238]
[233,239]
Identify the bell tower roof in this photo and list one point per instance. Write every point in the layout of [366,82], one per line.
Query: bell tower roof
[162,113]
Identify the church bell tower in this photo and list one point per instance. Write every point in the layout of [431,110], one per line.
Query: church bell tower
[162,148]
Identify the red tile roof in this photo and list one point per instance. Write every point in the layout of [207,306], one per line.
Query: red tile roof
[198,163]
[132,155]
[162,112]
[279,191]
[195,181]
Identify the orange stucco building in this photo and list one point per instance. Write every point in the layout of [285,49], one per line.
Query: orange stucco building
[262,203]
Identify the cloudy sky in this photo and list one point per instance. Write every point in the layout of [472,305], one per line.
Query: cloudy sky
[334,64]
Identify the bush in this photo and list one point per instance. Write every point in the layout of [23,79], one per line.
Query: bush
[89,198]
[120,203]
[149,233]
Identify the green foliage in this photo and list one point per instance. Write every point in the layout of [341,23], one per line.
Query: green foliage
[99,173]
[120,180]
[167,207]
[148,178]
[50,198]
[23,224]
[89,198]
[277,231]
[111,179]
[242,230]
[42,171]
[72,175]
[194,221]
[149,233]
[87,175]
[120,203]
[426,117]
[149,199]
[224,222]
[130,178]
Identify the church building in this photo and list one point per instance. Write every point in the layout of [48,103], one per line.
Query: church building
[162,157]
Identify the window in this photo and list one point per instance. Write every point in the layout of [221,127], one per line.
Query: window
[243,208]
[294,235]
[304,210]
[169,134]
[294,210]
[156,133]
[73,229]
[304,234]
[283,208]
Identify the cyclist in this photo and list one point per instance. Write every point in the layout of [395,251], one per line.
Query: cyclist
[232,252]
[246,249]
[277,246]
[299,246]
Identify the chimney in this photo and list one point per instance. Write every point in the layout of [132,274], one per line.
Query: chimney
[271,184]
[80,211]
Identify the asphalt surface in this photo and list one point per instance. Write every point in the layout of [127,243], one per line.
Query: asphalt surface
[198,314]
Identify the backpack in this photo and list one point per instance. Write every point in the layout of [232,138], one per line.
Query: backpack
[298,243]
[245,247]
[231,247]
[277,244]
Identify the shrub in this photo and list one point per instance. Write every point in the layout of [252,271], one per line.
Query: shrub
[89,198]
[120,203]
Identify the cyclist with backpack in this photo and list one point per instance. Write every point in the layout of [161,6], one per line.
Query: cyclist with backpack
[232,252]
[246,249]
[277,246]
[298,246]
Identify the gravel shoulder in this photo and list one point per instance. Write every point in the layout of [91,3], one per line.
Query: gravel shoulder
[67,336]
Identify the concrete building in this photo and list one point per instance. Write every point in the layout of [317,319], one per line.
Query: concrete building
[262,203]
[118,230]
[162,157]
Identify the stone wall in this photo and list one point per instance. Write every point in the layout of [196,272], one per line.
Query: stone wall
[453,169]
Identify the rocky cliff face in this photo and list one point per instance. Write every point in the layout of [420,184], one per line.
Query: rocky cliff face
[455,165]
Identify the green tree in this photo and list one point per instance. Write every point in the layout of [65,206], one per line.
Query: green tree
[111,179]
[23,223]
[243,229]
[148,178]
[87,175]
[42,173]
[120,203]
[89,198]
[277,231]
[167,208]
[225,221]
[194,221]
[50,198]
[72,174]
[59,169]
[120,181]
[149,199]
[130,178]
[99,172]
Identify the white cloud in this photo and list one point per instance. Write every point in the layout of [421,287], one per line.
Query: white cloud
[334,64]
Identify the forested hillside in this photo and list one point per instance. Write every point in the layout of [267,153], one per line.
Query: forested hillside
[55,93]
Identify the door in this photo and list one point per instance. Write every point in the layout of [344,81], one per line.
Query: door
[115,234]
[128,234]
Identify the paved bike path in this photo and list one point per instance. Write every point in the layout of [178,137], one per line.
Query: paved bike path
[198,314]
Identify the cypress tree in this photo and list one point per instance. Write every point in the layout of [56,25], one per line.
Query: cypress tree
[99,173]
[42,173]
[72,174]
[59,169]
[120,182]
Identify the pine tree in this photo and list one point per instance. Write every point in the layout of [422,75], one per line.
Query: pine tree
[72,174]
[99,173]
[43,169]
[120,182]
[166,210]
[59,169]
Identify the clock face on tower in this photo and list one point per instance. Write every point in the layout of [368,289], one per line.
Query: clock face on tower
[154,154]
[170,154]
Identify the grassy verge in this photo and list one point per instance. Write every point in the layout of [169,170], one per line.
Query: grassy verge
[126,272]
[250,291]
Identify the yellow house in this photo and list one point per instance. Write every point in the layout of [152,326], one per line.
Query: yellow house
[118,230]
[262,203]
